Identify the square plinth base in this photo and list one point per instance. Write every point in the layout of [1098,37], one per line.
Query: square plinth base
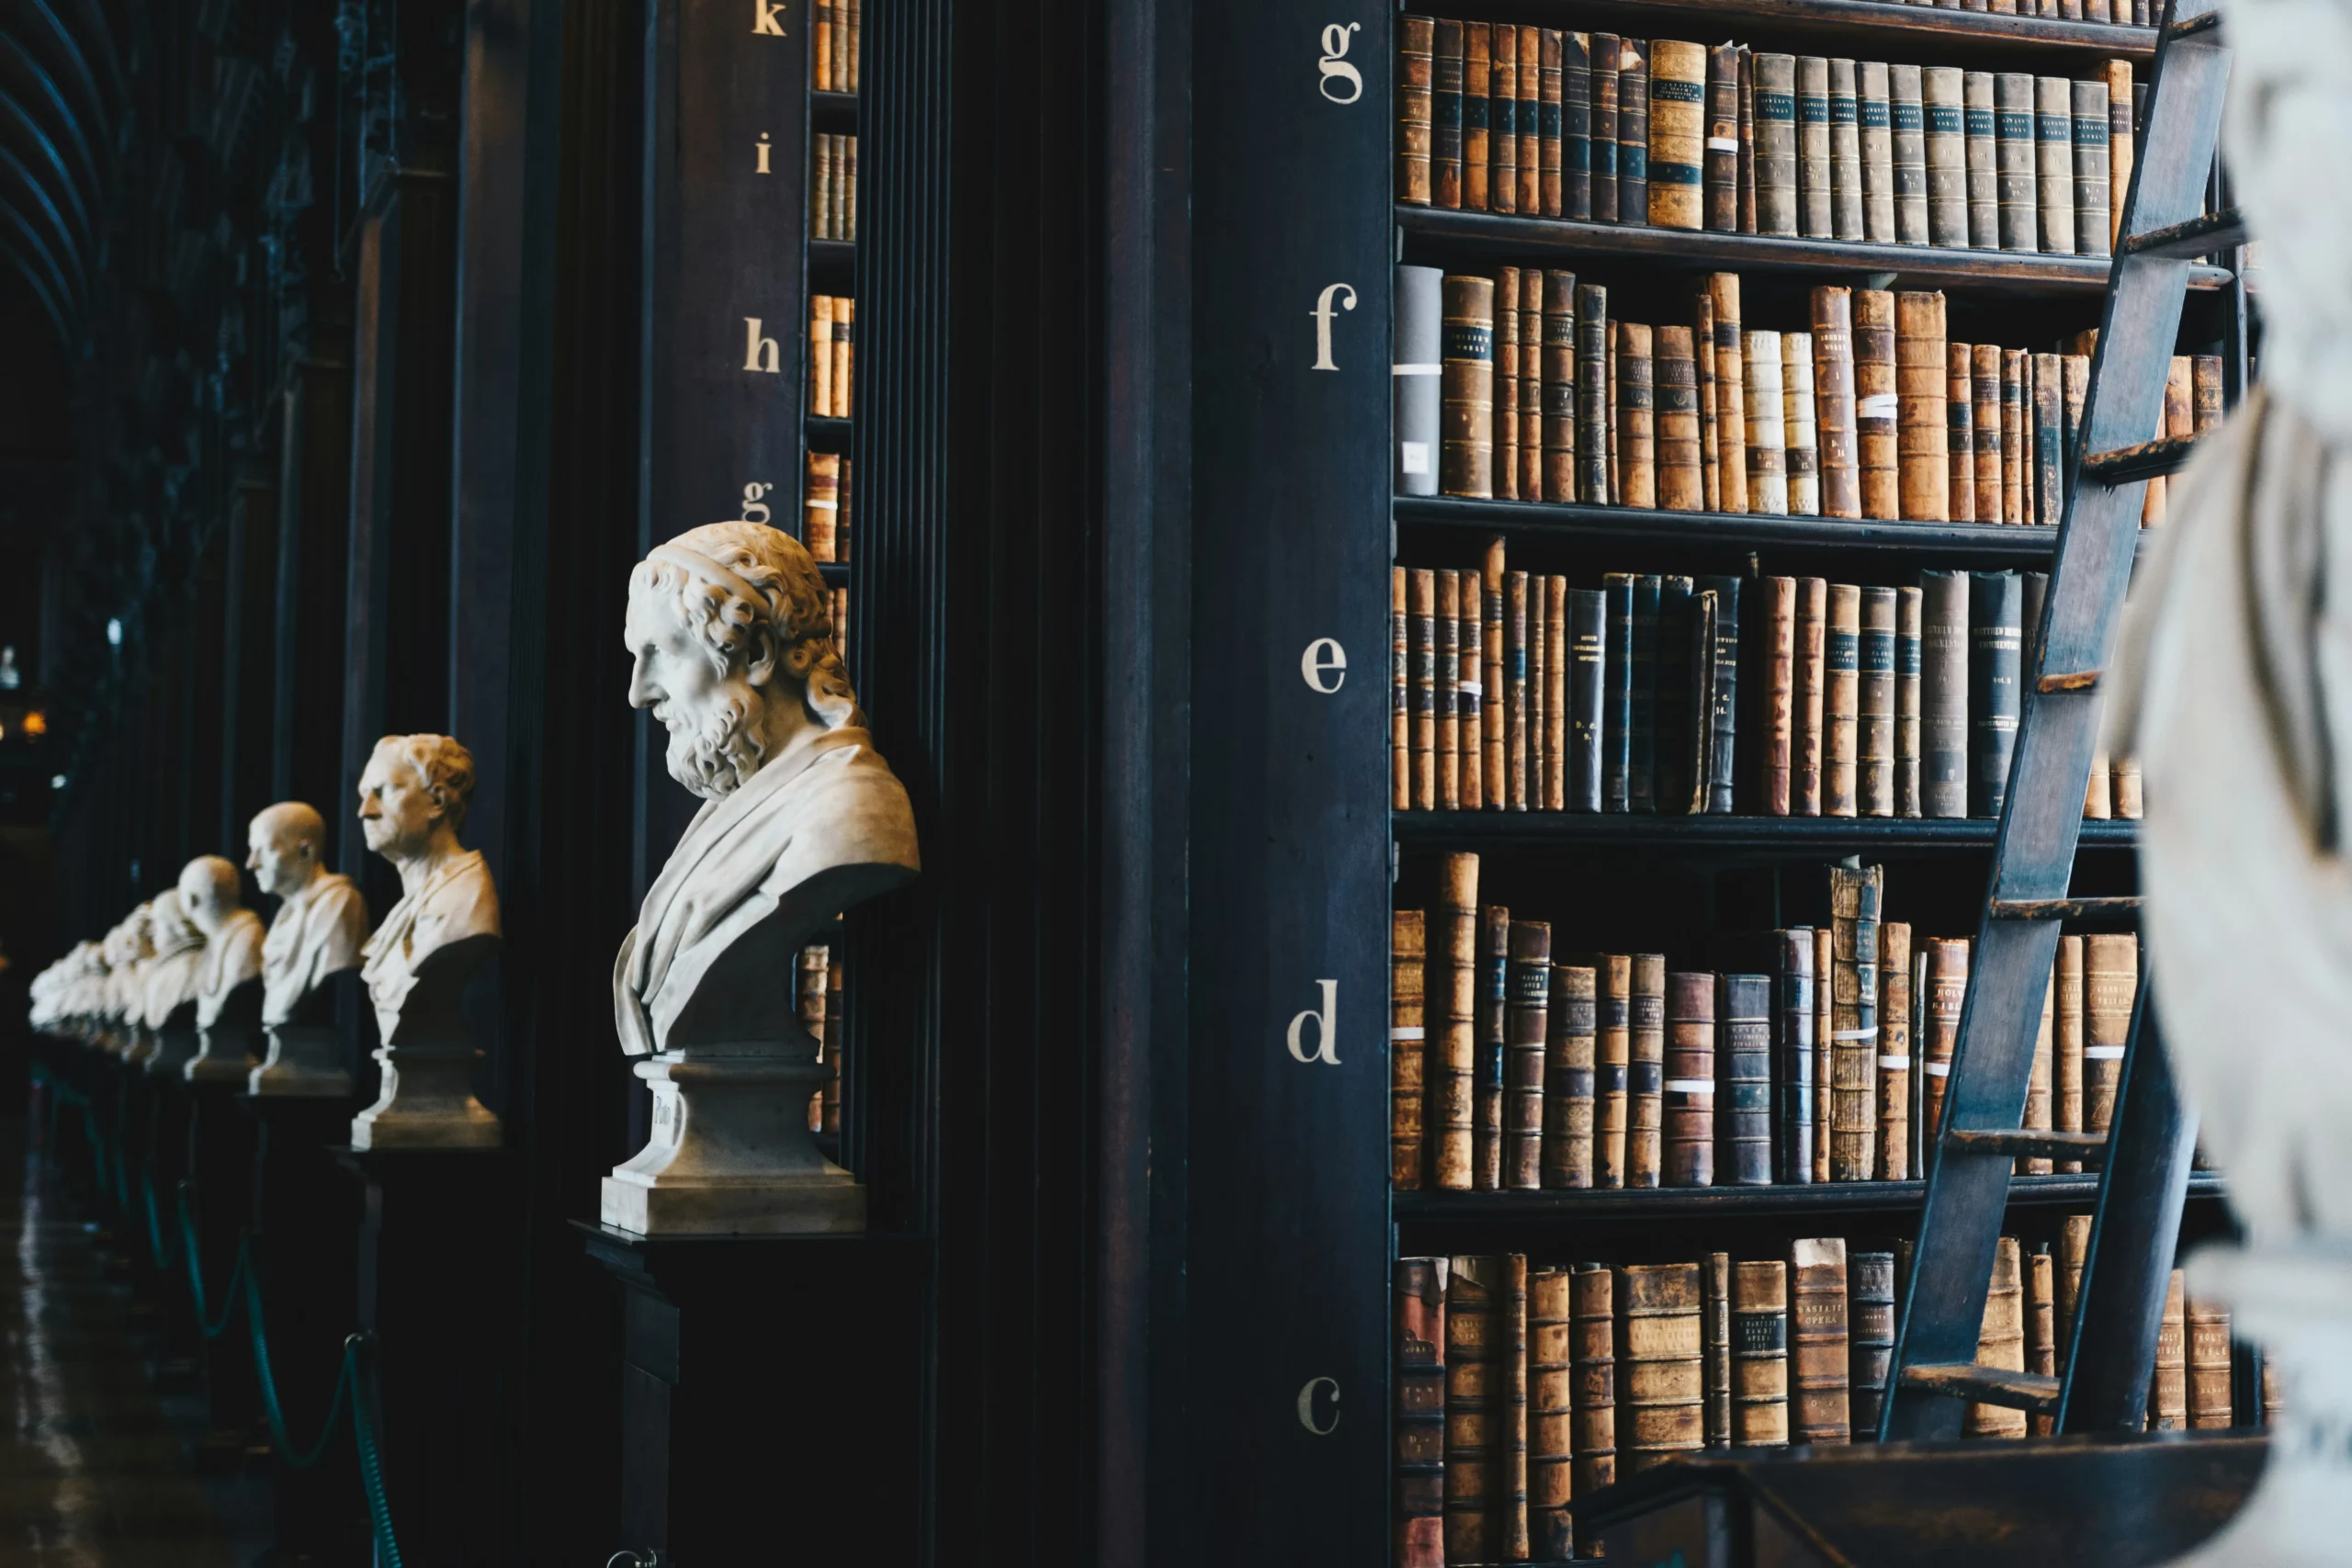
[802,1207]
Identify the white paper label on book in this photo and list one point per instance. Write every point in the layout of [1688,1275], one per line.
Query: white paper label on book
[2102,1053]
[1877,405]
[1470,688]
[1691,1086]
[1901,1062]
[1939,1069]
[1723,144]
[1855,1034]
[1406,1035]
[1413,457]
[1417,369]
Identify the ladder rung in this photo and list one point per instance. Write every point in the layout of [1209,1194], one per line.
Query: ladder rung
[2198,237]
[2072,680]
[2063,909]
[2024,1144]
[2148,461]
[2191,27]
[1986,1385]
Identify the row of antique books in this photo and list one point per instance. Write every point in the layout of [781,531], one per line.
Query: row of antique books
[1547,123]
[818,987]
[1523,387]
[832,187]
[1513,1067]
[1516,691]
[824,507]
[2129,13]
[1520,1390]
[830,362]
[834,30]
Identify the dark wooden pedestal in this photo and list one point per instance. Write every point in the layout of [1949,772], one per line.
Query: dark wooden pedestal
[2116,1502]
[771,1396]
[219,1169]
[440,1236]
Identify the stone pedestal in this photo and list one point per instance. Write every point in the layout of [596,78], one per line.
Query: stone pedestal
[176,1047]
[224,1055]
[730,1151]
[304,1061]
[139,1044]
[427,1102]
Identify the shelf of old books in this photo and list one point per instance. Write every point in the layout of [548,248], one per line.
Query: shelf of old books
[1735,386]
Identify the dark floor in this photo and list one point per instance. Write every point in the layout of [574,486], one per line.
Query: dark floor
[95,1470]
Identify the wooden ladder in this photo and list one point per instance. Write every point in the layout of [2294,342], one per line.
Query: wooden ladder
[2144,1157]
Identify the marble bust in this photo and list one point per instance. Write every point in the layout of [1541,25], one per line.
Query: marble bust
[228,983]
[167,1032]
[321,925]
[413,799]
[129,947]
[731,642]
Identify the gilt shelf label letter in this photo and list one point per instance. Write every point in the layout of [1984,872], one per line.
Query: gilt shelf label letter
[1342,84]
[1326,1021]
[764,14]
[1322,314]
[1324,658]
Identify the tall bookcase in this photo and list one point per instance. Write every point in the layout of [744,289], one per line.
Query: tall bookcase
[1297,859]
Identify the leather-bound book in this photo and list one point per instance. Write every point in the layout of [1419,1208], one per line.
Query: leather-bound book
[1832,380]
[2168,1389]
[1874,106]
[1875,705]
[1960,432]
[2016,444]
[1446,114]
[1792,1014]
[1421,604]
[1703,357]
[1400,690]
[1854,899]
[1493,710]
[1509,383]
[1408,952]
[1723,695]
[1845,154]
[820,355]
[820,53]
[1469,685]
[2209,1365]
[2001,1341]
[2205,393]
[2127,788]
[1606,53]
[1715,1340]
[1587,620]
[1531,121]
[1995,652]
[2272,1395]
[1642,696]
[1576,125]
[1525,1031]
[1797,424]
[1906,109]
[1532,341]
[1613,716]
[2111,984]
[2074,1252]
[2041,1326]
[1418,370]
[1416,71]
[1555,694]
[1448,669]
[1869,1283]
[1907,701]
[1502,121]
[1453,991]
[1747,140]
[1744,1079]
[1559,390]
[1681,487]
[1550,1415]
[1731,390]
[1983,162]
[1893,1162]
[1776,144]
[2037,1114]
[1760,1353]
[1943,692]
[1841,706]
[1671,708]
[1942,103]
[1825,1030]
[1514,693]
[1818,1375]
[1637,459]
[1592,395]
[1569,1079]
[1507,1527]
[2120,145]
[1814,220]
[844,355]
[2092,231]
[1984,391]
[1768,473]
[1645,1071]
[1778,612]
[1632,131]
[1661,1405]
[1592,1330]
[1488,1067]
[1472,1381]
[1701,629]
[2054,164]
[1421,1412]
[1876,404]
[1614,979]
[1947,993]
[1466,389]
[1677,134]
[1921,419]
[2013,147]
[1690,1159]
[1477,69]
[1809,696]
[1723,139]
[820,504]
[2048,427]
[2066,1058]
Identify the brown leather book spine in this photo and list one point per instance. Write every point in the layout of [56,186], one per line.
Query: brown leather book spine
[2111,984]
[1894,1160]
[1681,485]
[2208,1366]
[1921,417]
[1870,1342]
[1841,702]
[2274,1402]
[1984,391]
[2168,1389]
[1677,126]
[1874,703]
[1723,139]
[1420,1289]
[1592,395]
[1824,960]
[1525,1027]
[1799,430]
[1960,431]
[820,504]
[1645,1070]
[1559,393]
[1568,1078]
[2066,1059]
[2120,147]
[1702,346]
[1415,74]
[2000,1341]
[1493,1020]
[1477,69]
[1731,390]
[1607,54]
[1515,630]
[1780,691]
[821,355]
[1818,1372]
[1454,990]
[1747,140]
[1469,685]
[1550,108]
[1633,130]
[1555,694]
[1408,952]
[1400,690]
[1421,616]
[1833,394]
[1550,1415]
[1445,118]
[2205,393]
[1714,1337]
[2041,1326]
[844,356]
[820,46]
[1910,613]
[1947,992]
[1507,1527]
[1466,389]
[2038,1076]
[1539,685]
[2074,1252]
[1494,707]
[1662,1405]
[1811,696]
[1760,1353]
[1502,121]
[1531,114]
[1447,669]
[2127,788]
[1531,385]
[1854,896]
[2017,444]
[1593,1331]
[1472,1379]
[1614,977]
[1690,1151]
[1508,384]
[1638,459]
[1877,403]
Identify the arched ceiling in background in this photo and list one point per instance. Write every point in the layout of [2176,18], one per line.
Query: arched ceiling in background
[64,100]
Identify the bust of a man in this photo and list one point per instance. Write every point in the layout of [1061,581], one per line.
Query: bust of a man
[172,974]
[413,799]
[731,639]
[211,899]
[131,948]
[322,919]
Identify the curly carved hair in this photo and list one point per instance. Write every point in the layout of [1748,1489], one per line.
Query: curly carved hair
[443,766]
[793,619]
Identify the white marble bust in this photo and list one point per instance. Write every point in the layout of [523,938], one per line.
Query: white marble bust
[212,899]
[170,984]
[413,799]
[321,921]
[130,947]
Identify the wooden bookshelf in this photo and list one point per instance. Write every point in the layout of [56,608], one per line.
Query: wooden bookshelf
[1960,37]
[1792,836]
[1570,1211]
[1533,521]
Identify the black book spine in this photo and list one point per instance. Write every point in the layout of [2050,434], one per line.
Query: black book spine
[1633,131]
[1870,1325]
[1996,646]
[1723,693]
[1670,725]
[1792,1017]
[1445,116]
[2034,587]
[1641,702]
[1588,698]
[1576,125]
[1744,1079]
[1943,692]
[1617,686]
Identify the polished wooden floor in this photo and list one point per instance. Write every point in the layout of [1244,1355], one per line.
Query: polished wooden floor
[94,1465]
